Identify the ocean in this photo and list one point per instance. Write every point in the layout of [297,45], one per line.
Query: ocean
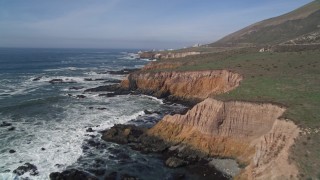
[45,114]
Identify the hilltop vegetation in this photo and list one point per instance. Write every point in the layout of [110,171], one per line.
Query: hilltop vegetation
[276,30]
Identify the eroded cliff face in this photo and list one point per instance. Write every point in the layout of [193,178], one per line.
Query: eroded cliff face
[166,54]
[251,133]
[183,85]
[178,55]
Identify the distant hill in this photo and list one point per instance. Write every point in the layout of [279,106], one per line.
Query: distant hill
[295,26]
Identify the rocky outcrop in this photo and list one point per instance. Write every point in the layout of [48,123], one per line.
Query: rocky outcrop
[166,55]
[178,54]
[183,85]
[251,133]
[161,65]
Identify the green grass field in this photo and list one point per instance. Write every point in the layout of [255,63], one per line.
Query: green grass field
[291,79]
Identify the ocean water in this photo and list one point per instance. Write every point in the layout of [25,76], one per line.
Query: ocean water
[49,122]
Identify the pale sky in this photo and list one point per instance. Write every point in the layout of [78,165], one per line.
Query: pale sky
[129,23]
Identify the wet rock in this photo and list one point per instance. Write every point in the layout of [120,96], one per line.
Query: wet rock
[54,81]
[37,78]
[58,81]
[121,72]
[81,96]
[75,88]
[112,81]
[89,130]
[93,143]
[11,128]
[123,134]
[111,176]
[174,162]
[58,165]
[98,172]
[123,157]
[88,79]
[27,167]
[90,107]
[11,151]
[72,174]
[101,108]
[43,149]
[5,124]
[108,95]
[147,112]
[178,176]
[111,88]
[128,177]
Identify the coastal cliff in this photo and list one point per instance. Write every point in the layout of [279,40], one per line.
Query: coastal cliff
[166,55]
[192,85]
[251,133]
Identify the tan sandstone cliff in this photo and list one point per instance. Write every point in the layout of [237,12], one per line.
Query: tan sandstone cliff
[251,133]
[184,85]
[166,54]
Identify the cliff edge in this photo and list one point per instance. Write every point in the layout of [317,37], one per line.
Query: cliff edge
[191,85]
[251,133]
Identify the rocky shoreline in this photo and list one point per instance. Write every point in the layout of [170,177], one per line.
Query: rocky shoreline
[252,134]
[136,137]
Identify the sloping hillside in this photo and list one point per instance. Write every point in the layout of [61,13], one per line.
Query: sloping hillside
[276,30]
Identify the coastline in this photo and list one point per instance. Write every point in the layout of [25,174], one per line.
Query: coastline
[260,158]
[195,137]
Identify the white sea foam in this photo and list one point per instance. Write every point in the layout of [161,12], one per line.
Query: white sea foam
[129,56]
[63,136]
[67,69]
[148,59]
[154,98]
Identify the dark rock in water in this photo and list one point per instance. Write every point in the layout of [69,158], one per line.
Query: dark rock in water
[53,81]
[37,78]
[43,149]
[147,112]
[123,157]
[27,167]
[12,151]
[111,176]
[58,165]
[98,79]
[89,130]
[88,79]
[90,107]
[98,172]
[93,143]
[56,81]
[71,174]
[7,170]
[11,128]
[101,108]
[174,162]
[81,96]
[75,88]
[112,81]
[116,89]
[178,176]
[128,177]
[108,94]
[120,72]
[5,124]
[123,134]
